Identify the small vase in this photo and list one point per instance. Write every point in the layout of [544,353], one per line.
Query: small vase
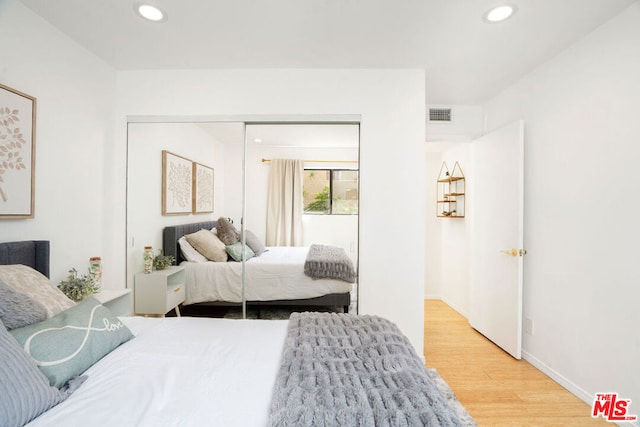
[148,259]
[95,271]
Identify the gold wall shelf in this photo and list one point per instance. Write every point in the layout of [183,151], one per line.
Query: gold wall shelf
[450,199]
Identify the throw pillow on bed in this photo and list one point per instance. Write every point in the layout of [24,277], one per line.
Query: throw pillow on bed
[235,251]
[25,390]
[35,285]
[254,243]
[208,244]
[226,231]
[18,310]
[69,343]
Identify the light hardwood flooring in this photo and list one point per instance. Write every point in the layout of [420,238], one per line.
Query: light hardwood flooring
[495,388]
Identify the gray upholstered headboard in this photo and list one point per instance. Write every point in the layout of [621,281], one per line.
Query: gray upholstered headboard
[170,236]
[33,253]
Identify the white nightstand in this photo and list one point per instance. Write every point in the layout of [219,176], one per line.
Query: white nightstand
[118,301]
[160,291]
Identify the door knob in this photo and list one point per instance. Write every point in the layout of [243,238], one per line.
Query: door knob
[514,252]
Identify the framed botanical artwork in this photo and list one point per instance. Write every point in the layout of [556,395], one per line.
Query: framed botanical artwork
[202,188]
[177,177]
[17,153]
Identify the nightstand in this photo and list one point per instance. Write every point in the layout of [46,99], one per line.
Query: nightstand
[118,301]
[160,291]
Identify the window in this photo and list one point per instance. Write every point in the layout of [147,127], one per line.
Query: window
[330,191]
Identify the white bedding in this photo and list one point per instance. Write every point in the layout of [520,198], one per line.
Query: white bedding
[179,372]
[274,275]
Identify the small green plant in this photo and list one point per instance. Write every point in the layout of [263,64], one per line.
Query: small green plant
[78,287]
[320,203]
[160,262]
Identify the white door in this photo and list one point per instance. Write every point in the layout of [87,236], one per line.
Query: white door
[495,304]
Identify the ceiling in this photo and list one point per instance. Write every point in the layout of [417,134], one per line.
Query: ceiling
[466,60]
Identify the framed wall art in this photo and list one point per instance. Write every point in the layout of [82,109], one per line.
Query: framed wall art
[177,178]
[17,153]
[202,188]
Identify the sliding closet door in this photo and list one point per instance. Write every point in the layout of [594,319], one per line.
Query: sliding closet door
[207,157]
[328,154]
[237,155]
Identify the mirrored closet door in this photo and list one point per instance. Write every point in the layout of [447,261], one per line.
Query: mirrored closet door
[243,161]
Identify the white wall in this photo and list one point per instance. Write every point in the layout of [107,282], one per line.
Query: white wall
[447,240]
[455,256]
[466,124]
[74,125]
[144,196]
[581,282]
[433,249]
[391,106]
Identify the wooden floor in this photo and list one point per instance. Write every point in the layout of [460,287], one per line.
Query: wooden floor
[496,389]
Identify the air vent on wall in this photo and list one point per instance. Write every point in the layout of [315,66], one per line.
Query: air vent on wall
[441,115]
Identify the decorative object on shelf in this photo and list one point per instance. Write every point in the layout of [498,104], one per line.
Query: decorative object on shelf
[451,192]
[161,261]
[147,257]
[177,184]
[17,153]
[95,270]
[202,188]
[78,287]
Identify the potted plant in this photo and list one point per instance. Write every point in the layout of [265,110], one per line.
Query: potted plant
[78,287]
[160,262]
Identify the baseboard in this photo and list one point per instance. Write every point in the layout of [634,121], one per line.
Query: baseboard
[432,296]
[455,307]
[573,388]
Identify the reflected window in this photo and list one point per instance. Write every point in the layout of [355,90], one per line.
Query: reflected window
[330,192]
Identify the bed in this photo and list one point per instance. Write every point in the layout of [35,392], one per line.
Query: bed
[276,277]
[314,369]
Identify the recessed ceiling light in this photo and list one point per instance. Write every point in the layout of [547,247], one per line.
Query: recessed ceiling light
[499,13]
[152,13]
[257,140]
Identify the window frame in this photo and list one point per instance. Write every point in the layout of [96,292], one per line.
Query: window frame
[331,171]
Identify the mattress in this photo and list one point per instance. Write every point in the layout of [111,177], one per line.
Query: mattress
[179,371]
[277,274]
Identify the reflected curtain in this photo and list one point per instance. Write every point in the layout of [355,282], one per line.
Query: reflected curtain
[284,203]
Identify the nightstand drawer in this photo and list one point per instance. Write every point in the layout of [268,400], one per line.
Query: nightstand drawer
[175,295]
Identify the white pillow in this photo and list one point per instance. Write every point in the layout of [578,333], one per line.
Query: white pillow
[189,252]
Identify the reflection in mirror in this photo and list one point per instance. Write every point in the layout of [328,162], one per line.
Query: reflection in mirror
[215,145]
[329,212]
[328,150]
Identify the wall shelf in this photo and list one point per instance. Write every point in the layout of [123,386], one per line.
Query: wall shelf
[450,199]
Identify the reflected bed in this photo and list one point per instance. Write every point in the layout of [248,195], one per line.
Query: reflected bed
[274,278]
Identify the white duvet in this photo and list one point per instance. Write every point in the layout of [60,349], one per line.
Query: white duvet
[179,372]
[274,275]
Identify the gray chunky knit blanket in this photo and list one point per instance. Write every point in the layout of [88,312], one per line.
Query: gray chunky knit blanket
[331,262]
[349,370]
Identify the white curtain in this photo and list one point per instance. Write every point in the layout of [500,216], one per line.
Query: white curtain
[284,203]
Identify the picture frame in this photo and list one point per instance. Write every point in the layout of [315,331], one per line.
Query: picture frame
[203,180]
[177,184]
[17,153]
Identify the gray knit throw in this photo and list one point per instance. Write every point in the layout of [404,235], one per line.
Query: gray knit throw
[349,370]
[329,262]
